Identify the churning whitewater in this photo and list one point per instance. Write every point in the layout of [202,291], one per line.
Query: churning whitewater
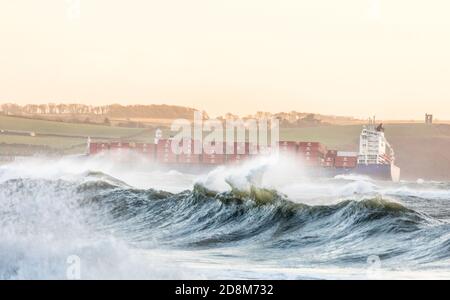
[262,220]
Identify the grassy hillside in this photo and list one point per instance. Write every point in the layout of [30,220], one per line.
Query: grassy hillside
[59,136]
[422,151]
[54,142]
[69,129]
[337,137]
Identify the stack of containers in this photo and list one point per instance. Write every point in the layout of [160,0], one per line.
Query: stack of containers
[253,149]
[329,159]
[264,150]
[214,158]
[313,153]
[287,147]
[119,147]
[103,147]
[146,150]
[164,153]
[347,160]
[114,146]
[241,152]
[95,148]
[189,157]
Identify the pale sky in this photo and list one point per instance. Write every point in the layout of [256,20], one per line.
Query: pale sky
[348,57]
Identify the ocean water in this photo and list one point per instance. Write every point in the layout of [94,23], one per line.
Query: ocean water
[265,219]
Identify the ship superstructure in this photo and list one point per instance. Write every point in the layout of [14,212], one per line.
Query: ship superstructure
[374,149]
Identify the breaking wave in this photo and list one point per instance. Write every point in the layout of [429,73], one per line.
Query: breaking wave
[244,222]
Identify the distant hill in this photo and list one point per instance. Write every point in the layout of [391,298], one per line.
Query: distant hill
[122,115]
[150,111]
[296,119]
[154,115]
[113,110]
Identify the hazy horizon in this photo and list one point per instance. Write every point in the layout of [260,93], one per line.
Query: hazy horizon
[233,112]
[346,58]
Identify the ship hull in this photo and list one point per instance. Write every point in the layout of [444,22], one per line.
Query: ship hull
[378,172]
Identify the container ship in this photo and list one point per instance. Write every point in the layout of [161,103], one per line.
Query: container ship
[375,158]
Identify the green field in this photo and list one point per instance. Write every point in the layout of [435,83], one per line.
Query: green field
[337,137]
[422,151]
[340,137]
[68,129]
[53,142]
[58,136]
[61,136]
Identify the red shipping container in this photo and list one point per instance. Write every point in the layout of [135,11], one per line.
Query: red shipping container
[190,147]
[345,164]
[309,148]
[241,148]
[329,159]
[237,158]
[328,164]
[169,145]
[119,145]
[331,153]
[315,145]
[213,159]
[189,158]
[312,161]
[100,147]
[346,159]
[164,153]
[163,146]
[230,148]
[308,144]
[163,157]
[93,148]
[322,151]
[147,150]
[287,146]
[265,150]
[134,147]
[312,158]
[253,149]
[310,154]
[214,148]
